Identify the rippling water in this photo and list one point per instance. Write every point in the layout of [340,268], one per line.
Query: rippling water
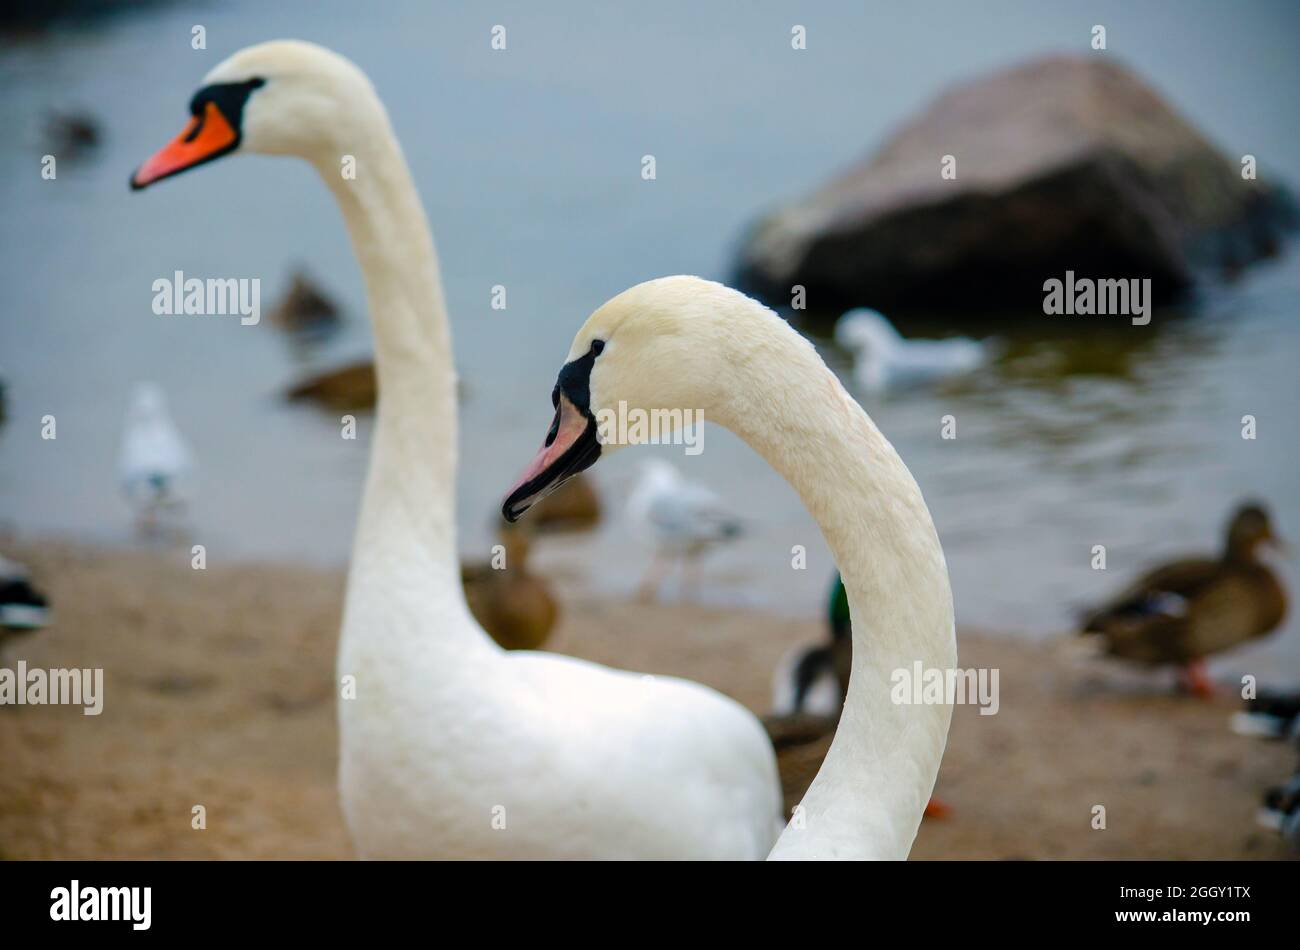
[1085,432]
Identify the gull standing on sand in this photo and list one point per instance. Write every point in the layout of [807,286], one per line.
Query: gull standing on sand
[155,462]
[682,518]
[884,360]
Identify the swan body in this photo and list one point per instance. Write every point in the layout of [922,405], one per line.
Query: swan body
[688,345]
[884,360]
[449,746]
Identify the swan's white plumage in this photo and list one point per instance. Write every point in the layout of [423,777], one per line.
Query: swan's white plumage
[453,748]
[689,344]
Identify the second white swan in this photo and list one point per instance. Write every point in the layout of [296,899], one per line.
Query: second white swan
[683,344]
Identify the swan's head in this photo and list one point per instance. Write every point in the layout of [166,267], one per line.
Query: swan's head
[659,350]
[285,97]
[865,329]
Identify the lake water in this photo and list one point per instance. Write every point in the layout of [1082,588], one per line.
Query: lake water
[1086,432]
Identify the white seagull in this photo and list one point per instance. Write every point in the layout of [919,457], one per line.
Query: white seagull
[884,360]
[155,463]
[682,518]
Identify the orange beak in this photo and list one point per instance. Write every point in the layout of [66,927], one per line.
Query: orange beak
[206,137]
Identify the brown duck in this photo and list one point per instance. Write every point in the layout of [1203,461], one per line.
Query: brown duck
[515,607]
[1193,608]
[305,308]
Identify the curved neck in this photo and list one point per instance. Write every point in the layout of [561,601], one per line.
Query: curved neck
[408,512]
[868,797]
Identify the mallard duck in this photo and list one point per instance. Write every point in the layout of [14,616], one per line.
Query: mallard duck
[511,604]
[349,387]
[1189,609]
[1281,810]
[1270,715]
[574,506]
[808,692]
[813,680]
[71,134]
[305,309]
[22,606]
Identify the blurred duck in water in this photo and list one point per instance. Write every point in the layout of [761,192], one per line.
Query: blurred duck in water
[683,520]
[514,606]
[306,310]
[808,690]
[1192,608]
[71,135]
[351,387]
[155,463]
[884,360]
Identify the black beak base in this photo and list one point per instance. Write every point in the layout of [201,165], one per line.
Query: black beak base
[578,457]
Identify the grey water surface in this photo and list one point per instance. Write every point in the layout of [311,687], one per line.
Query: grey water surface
[1087,431]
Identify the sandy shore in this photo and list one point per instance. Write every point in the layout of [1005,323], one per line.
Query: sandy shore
[219,691]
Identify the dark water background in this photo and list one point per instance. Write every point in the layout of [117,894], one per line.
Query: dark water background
[528,161]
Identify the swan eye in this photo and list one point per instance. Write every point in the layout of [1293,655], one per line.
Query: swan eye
[597,347]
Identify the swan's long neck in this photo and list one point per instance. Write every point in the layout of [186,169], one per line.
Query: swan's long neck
[405,546]
[868,797]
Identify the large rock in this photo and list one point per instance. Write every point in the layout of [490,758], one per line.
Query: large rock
[1065,163]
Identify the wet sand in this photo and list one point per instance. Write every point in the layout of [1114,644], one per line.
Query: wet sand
[219,692]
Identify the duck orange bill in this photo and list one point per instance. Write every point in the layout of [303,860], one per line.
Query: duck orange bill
[570,447]
[207,136]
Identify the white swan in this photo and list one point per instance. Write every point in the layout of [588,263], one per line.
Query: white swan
[884,360]
[683,344]
[453,747]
